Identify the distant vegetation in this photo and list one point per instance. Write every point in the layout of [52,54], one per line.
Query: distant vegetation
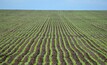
[53,37]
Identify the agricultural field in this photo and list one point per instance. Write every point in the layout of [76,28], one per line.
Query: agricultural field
[53,37]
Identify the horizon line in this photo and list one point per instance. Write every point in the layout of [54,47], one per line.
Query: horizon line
[61,9]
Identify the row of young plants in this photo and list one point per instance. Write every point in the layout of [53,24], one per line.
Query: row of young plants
[56,39]
[97,48]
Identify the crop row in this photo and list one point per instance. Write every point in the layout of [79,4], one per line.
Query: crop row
[52,40]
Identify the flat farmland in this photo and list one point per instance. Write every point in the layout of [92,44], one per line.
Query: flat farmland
[53,37]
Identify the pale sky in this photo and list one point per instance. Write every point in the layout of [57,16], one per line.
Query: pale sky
[54,4]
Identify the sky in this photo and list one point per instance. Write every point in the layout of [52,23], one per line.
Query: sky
[54,4]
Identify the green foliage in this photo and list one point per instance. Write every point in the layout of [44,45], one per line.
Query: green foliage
[53,37]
